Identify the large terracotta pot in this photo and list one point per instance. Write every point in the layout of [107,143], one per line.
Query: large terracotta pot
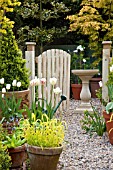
[24,95]
[106,116]
[109,125]
[76,90]
[43,158]
[111,136]
[94,85]
[18,156]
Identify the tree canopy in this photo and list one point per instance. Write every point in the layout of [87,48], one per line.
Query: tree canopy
[95,19]
[44,21]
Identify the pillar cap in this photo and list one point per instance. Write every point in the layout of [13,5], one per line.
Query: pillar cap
[107,42]
[30,43]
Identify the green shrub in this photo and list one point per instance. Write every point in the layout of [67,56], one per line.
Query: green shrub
[12,65]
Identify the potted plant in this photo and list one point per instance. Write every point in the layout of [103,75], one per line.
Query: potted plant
[78,61]
[109,106]
[108,112]
[15,145]
[44,142]
[10,106]
[43,132]
[12,65]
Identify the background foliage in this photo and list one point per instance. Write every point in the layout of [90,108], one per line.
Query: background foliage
[44,21]
[95,19]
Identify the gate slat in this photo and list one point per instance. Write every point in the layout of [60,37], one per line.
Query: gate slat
[48,73]
[39,74]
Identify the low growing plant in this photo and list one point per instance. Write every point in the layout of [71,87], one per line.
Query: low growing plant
[4,156]
[93,122]
[15,139]
[99,96]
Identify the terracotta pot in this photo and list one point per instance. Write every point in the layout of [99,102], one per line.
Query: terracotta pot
[76,90]
[109,124]
[43,159]
[94,85]
[106,116]
[111,136]
[24,95]
[18,156]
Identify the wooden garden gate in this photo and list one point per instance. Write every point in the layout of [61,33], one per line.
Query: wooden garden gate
[51,63]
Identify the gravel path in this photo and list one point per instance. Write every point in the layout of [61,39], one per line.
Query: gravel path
[82,152]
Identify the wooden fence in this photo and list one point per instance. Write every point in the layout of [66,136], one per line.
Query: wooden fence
[51,63]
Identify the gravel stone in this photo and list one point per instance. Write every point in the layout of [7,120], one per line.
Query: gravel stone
[82,152]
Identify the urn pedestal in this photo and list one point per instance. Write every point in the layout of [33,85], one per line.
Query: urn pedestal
[85,95]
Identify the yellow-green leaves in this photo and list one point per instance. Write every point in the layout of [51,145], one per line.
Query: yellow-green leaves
[6,6]
[45,134]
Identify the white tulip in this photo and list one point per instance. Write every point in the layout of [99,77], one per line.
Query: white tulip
[3,90]
[80,48]
[53,81]
[2,95]
[32,82]
[57,90]
[84,60]
[8,86]
[37,81]
[100,83]
[111,68]
[14,82]
[2,81]
[18,84]
[43,81]
[75,51]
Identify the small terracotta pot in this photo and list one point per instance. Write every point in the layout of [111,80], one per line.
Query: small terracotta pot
[18,156]
[76,90]
[94,85]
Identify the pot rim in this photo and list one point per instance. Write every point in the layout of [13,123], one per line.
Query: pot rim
[44,150]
